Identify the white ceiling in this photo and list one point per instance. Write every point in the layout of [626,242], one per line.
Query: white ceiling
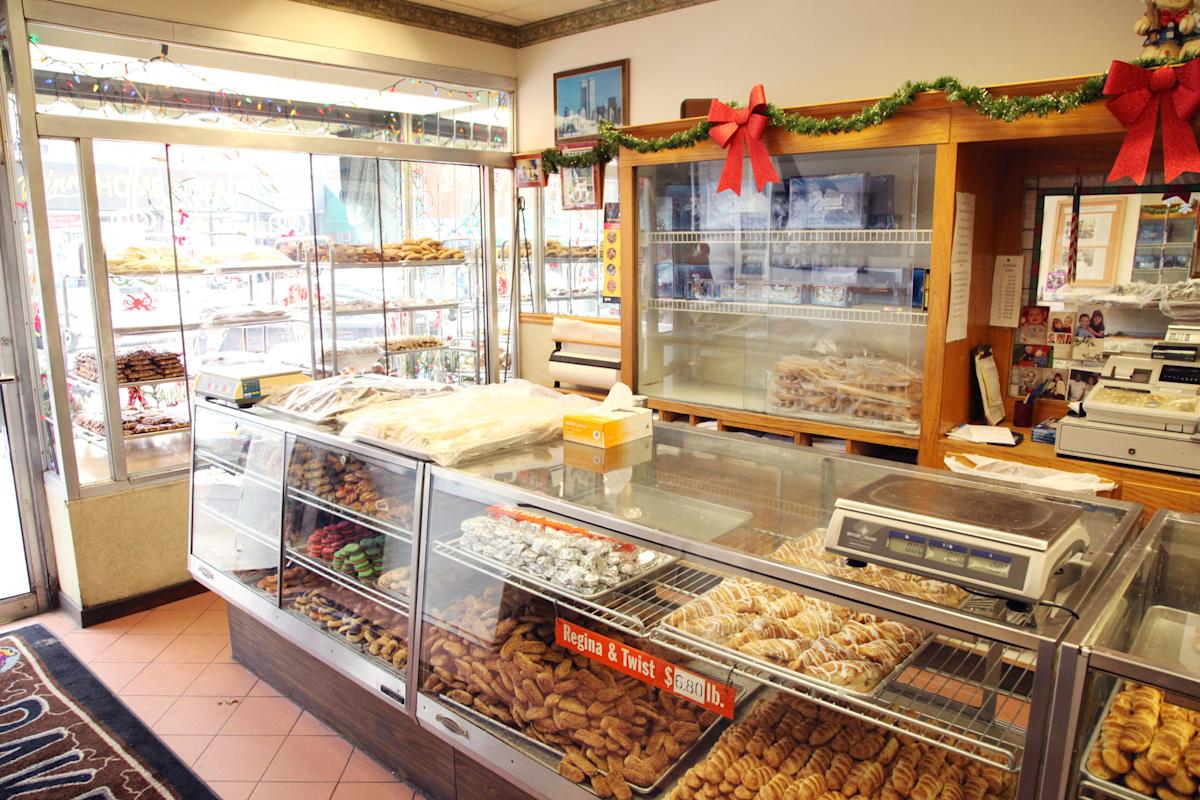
[514,12]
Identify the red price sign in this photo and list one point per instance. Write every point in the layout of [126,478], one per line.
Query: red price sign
[704,692]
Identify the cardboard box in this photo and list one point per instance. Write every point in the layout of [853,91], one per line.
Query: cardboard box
[607,428]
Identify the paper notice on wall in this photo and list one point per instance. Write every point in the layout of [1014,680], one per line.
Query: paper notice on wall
[1006,291]
[960,266]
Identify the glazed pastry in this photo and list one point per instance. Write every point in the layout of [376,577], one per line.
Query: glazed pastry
[1168,744]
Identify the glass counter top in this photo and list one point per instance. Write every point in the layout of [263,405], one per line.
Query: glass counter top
[759,505]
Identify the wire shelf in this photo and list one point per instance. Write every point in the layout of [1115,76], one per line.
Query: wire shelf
[927,701]
[366,521]
[634,609]
[390,600]
[845,236]
[882,316]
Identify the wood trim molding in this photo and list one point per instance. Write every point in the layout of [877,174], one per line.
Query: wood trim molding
[531,318]
[94,615]
[516,36]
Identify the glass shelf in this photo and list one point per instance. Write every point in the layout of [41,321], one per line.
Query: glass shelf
[864,236]
[781,311]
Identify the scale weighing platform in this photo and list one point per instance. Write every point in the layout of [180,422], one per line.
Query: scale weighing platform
[245,384]
[995,542]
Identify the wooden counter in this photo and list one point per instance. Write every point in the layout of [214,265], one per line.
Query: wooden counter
[1152,488]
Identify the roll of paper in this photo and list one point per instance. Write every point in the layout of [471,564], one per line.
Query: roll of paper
[582,375]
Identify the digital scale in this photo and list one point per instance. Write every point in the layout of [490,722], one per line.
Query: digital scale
[995,542]
[1144,410]
[245,384]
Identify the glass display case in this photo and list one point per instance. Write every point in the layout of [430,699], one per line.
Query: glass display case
[571,250]
[604,622]
[1126,707]
[807,300]
[273,498]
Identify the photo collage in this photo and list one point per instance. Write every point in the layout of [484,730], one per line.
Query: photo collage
[1061,349]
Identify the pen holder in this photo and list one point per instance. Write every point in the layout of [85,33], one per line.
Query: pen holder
[1022,414]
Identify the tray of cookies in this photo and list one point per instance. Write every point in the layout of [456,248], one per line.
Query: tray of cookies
[1143,746]
[787,747]
[547,552]
[602,728]
[802,638]
[361,624]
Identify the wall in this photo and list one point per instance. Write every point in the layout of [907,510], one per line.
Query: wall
[303,23]
[806,52]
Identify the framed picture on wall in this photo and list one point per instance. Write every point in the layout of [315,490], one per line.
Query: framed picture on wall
[529,172]
[1101,219]
[586,96]
[582,187]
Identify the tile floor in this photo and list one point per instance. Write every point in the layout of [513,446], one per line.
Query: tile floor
[174,668]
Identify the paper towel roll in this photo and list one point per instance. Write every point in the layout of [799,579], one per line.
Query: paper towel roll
[582,375]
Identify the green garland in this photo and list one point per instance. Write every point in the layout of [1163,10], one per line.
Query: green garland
[983,102]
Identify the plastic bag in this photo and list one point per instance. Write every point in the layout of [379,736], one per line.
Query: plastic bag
[1028,476]
[325,400]
[473,422]
[350,354]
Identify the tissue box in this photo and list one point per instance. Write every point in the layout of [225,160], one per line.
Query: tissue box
[607,428]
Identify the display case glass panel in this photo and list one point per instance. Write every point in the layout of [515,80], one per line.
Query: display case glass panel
[237,498]
[145,309]
[74,296]
[805,300]
[572,250]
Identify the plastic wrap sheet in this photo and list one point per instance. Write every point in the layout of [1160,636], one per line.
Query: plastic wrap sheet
[864,386]
[473,422]
[353,354]
[327,400]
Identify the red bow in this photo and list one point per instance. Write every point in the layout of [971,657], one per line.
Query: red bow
[1166,17]
[731,129]
[1138,94]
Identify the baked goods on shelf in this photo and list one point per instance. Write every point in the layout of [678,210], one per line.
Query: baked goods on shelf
[296,581]
[611,729]
[349,482]
[402,342]
[1148,745]
[150,259]
[377,631]
[133,367]
[556,249]
[866,387]
[566,556]
[809,552]
[788,748]
[395,579]
[245,314]
[134,422]
[423,249]
[808,636]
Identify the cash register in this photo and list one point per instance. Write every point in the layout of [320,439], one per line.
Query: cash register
[1144,410]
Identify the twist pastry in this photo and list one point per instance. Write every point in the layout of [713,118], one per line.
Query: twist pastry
[1168,744]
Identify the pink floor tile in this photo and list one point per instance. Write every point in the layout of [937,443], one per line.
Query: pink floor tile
[262,716]
[87,645]
[188,748]
[308,725]
[116,674]
[121,625]
[135,647]
[374,791]
[232,790]
[212,621]
[149,708]
[364,769]
[59,622]
[193,649]
[199,602]
[309,758]
[237,758]
[293,791]
[195,715]
[168,679]
[263,689]
[222,680]
[225,656]
[173,621]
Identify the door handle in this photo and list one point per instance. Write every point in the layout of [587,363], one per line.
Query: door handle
[451,725]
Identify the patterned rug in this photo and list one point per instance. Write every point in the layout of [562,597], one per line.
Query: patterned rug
[64,736]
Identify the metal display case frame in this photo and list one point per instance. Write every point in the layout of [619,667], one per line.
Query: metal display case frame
[1082,656]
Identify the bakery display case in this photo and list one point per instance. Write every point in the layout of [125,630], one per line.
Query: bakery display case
[398,268]
[815,289]
[1129,693]
[572,241]
[665,619]
[311,534]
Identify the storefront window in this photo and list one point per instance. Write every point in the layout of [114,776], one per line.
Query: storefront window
[571,250]
[100,76]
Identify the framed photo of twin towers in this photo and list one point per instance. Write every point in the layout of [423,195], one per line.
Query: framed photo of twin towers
[586,96]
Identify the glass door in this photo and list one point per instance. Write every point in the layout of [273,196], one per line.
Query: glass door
[23,578]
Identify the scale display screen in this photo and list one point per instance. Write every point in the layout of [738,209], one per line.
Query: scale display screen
[991,563]
[946,553]
[906,543]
